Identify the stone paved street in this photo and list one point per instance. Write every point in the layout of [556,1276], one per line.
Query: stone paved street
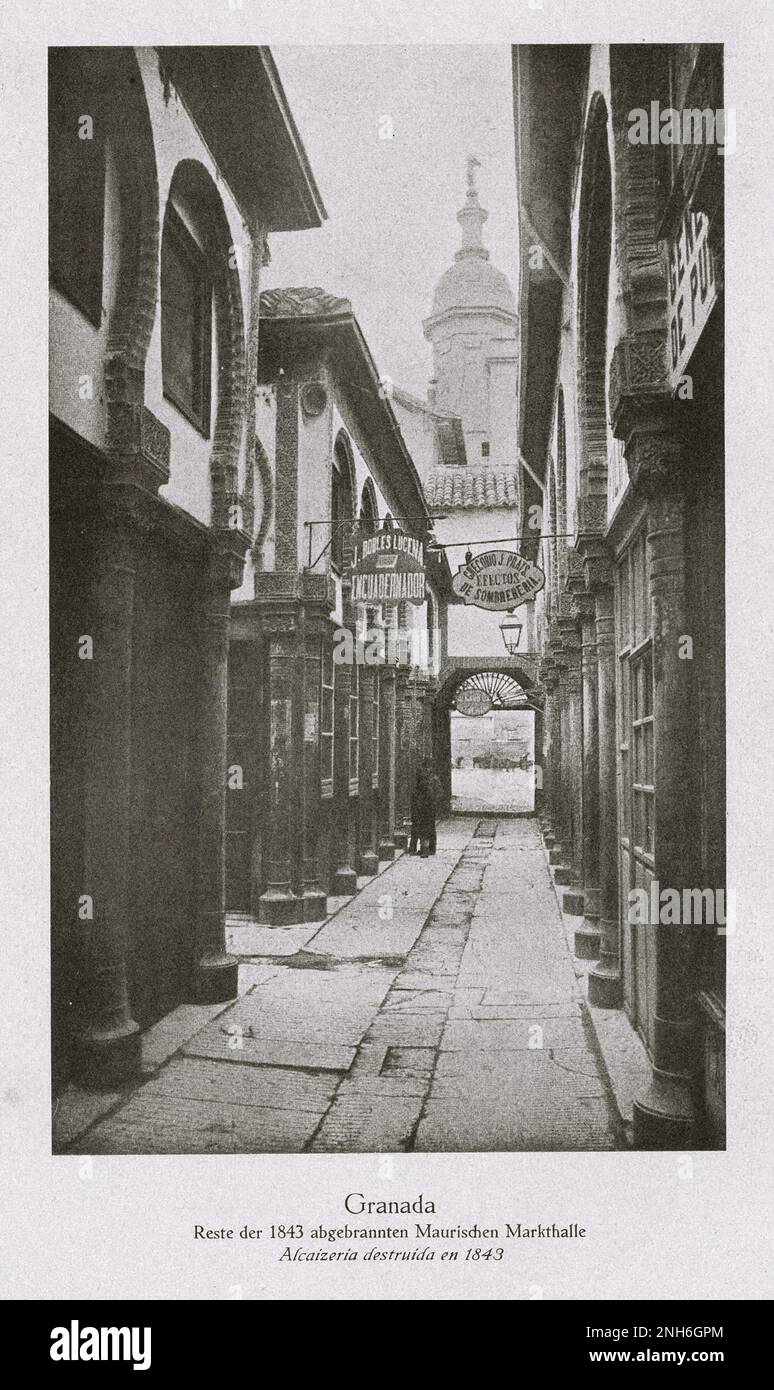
[436,1010]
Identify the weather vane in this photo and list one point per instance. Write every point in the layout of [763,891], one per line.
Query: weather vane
[473,164]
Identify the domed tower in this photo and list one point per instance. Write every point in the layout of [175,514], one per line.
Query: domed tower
[473,329]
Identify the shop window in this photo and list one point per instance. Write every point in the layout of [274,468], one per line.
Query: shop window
[485,448]
[327,696]
[186,323]
[375,707]
[643,789]
[354,731]
[76,184]
[635,683]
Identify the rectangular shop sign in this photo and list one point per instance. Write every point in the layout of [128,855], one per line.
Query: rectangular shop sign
[692,289]
[388,568]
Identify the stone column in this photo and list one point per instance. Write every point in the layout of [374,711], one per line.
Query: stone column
[402,774]
[107,1051]
[604,981]
[315,902]
[538,775]
[368,862]
[279,905]
[587,937]
[568,849]
[215,972]
[549,681]
[559,799]
[345,874]
[664,1116]
[387,706]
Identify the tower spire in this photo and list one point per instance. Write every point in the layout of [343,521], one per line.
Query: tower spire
[472,217]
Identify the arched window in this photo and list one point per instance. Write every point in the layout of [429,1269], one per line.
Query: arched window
[186,322]
[369,513]
[342,508]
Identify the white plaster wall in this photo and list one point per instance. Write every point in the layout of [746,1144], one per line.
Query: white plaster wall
[76,347]
[420,437]
[316,438]
[266,432]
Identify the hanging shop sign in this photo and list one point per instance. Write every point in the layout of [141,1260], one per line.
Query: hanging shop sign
[498,580]
[388,568]
[473,702]
[692,288]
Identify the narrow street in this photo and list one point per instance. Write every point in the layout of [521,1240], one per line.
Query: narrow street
[436,1010]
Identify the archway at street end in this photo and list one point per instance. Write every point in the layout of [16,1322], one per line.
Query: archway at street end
[488,728]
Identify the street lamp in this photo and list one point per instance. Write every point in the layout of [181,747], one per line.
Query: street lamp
[511,631]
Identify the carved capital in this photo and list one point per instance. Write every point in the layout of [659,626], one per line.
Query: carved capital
[584,606]
[639,378]
[654,459]
[138,443]
[229,547]
[597,567]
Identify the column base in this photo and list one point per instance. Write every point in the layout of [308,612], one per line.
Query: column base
[315,905]
[280,909]
[344,883]
[605,987]
[664,1116]
[216,980]
[369,862]
[401,839]
[108,1057]
[563,875]
[556,854]
[587,940]
[387,850]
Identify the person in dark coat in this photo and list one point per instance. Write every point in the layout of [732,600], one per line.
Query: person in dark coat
[424,802]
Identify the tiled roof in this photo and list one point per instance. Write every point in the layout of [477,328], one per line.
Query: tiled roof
[471,487]
[301,301]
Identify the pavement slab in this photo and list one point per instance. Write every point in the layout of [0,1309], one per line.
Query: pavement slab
[171,1124]
[281,1088]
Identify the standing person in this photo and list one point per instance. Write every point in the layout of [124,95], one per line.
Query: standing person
[424,801]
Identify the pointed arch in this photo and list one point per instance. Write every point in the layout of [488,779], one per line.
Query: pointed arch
[369,509]
[342,505]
